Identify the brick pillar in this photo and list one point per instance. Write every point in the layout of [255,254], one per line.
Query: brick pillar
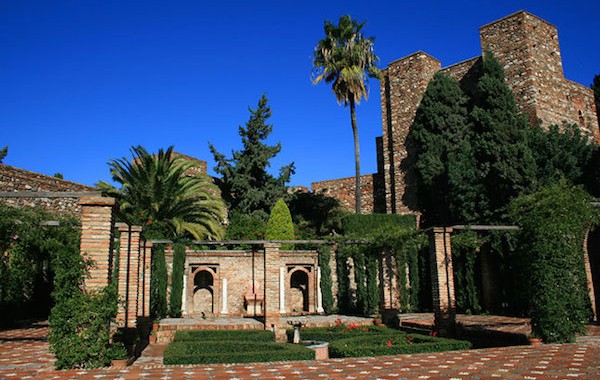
[272,263]
[388,281]
[146,276]
[96,239]
[129,271]
[588,275]
[442,279]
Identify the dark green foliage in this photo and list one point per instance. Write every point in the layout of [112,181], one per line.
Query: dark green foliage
[440,137]
[3,153]
[326,281]
[177,281]
[504,159]
[355,341]
[158,283]
[80,320]
[464,259]
[553,225]
[596,87]
[379,233]
[26,266]
[400,344]
[245,184]
[591,176]
[280,225]
[361,226]
[225,335]
[316,211]
[246,227]
[117,351]
[222,346]
[560,153]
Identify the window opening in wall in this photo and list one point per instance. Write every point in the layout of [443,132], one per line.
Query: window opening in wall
[581,119]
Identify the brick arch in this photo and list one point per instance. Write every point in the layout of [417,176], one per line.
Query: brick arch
[214,289]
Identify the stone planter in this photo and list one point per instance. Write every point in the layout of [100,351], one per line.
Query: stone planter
[321,349]
[119,363]
[535,341]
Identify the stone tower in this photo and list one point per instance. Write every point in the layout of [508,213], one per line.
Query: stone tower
[527,47]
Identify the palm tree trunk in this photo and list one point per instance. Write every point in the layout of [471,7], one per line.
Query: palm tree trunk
[356,152]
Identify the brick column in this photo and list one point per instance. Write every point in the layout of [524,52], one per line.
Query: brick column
[96,239]
[442,279]
[589,276]
[147,254]
[388,281]
[129,274]
[272,264]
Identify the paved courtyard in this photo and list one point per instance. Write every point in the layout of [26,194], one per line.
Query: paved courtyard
[24,354]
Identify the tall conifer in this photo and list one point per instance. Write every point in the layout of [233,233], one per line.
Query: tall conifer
[245,183]
[444,161]
[505,161]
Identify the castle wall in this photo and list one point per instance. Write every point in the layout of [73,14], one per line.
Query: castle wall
[343,189]
[14,179]
[402,88]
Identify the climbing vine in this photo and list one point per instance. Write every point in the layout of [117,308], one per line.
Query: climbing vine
[326,281]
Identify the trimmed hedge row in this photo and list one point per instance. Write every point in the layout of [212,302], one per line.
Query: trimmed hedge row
[392,344]
[375,340]
[225,335]
[213,352]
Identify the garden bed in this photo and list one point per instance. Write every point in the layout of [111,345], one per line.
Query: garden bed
[354,341]
[218,346]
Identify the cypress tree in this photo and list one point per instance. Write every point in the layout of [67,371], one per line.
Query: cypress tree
[280,225]
[504,159]
[444,159]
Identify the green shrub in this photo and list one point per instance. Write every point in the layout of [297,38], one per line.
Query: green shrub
[464,256]
[225,335]
[245,227]
[177,281]
[554,222]
[158,283]
[280,225]
[330,334]
[326,281]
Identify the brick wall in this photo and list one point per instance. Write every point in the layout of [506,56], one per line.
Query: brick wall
[15,179]
[372,198]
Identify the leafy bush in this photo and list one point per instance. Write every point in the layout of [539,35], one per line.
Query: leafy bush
[245,227]
[280,225]
[553,224]
[326,281]
[26,270]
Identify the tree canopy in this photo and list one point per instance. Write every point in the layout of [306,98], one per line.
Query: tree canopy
[245,184]
[157,192]
[3,153]
[346,59]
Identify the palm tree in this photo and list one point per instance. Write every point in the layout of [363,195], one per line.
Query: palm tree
[346,59]
[157,192]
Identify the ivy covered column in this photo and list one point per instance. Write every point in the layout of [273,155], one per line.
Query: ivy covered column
[442,279]
[589,276]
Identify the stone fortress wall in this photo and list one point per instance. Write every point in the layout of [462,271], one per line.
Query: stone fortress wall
[19,180]
[528,49]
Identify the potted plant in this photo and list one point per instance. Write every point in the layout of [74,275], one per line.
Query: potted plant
[152,337]
[534,340]
[117,353]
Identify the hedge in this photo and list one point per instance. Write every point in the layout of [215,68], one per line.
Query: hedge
[392,344]
[225,335]
[233,351]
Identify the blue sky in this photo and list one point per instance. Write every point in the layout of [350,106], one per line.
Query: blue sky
[82,81]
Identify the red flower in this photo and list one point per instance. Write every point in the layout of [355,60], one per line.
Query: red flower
[389,343]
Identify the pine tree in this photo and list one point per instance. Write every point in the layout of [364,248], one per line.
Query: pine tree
[444,161]
[504,158]
[245,183]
